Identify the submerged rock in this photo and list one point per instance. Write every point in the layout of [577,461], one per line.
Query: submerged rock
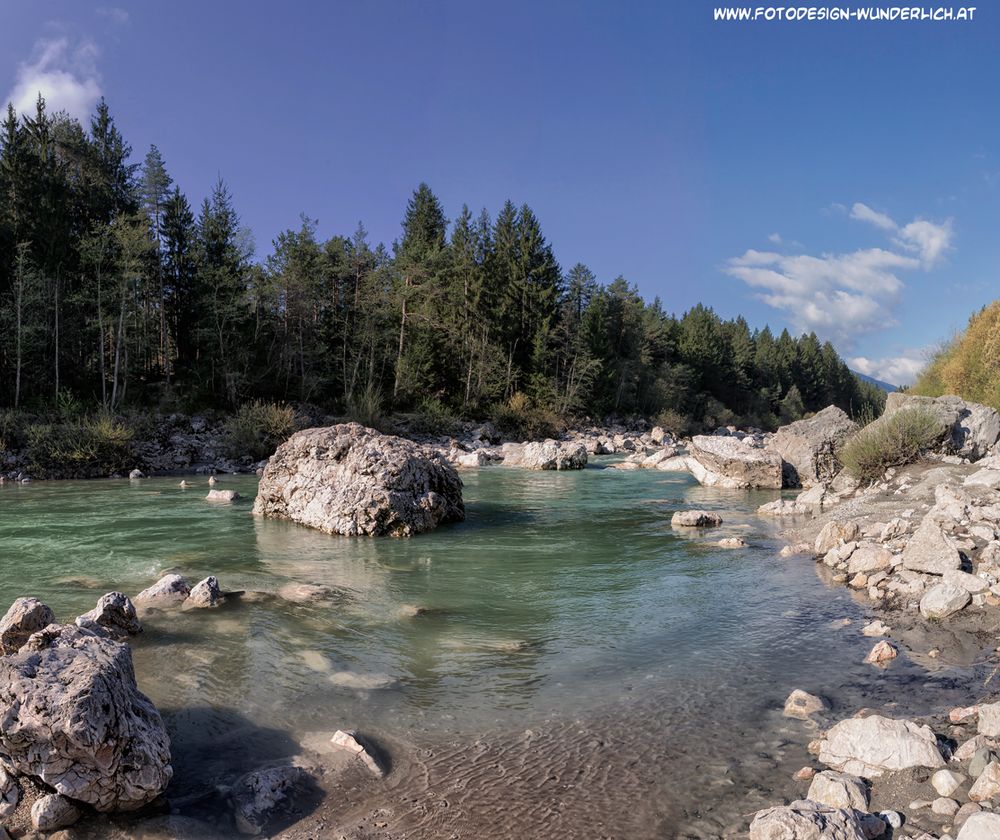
[729,462]
[258,795]
[25,616]
[874,745]
[74,719]
[808,448]
[355,481]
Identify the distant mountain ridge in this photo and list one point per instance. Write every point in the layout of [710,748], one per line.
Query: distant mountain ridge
[885,386]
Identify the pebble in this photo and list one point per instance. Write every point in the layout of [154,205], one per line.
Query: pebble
[804,774]
[893,818]
[945,782]
[944,806]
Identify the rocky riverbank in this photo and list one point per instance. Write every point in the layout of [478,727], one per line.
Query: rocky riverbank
[921,547]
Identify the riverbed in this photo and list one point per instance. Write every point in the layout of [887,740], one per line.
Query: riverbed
[562,663]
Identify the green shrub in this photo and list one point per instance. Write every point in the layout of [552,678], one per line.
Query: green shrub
[518,419]
[674,422]
[98,446]
[892,441]
[365,407]
[433,417]
[258,427]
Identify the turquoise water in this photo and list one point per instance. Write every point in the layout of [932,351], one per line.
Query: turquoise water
[564,602]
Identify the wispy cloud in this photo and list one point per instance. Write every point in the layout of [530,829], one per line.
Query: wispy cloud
[928,240]
[843,296]
[896,370]
[114,14]
[64,74]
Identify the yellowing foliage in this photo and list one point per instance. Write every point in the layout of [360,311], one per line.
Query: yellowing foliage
[970,365]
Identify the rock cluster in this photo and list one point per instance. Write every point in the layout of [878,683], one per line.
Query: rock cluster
[74,719]
[351,480]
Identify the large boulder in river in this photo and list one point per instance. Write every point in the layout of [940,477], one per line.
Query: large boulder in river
[808,448]
[718,461]
[874,745]
[554,455]
[352,480]
[964,428]
[74,719]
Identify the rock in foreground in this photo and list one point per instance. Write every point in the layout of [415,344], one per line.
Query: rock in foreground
[351,480]
[74,719]
[718,461]
[805,820]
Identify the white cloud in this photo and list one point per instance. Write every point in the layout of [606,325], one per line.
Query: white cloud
[896,370]
[65,75]
[865,214]
[927,239]
[839,296]
[843,296]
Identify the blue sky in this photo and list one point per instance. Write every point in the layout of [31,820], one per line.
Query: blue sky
[842,177]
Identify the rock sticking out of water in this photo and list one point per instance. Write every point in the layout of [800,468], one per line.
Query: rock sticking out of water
[362,748]
[205,593]
[801,705]
[25,616]
[171,589]
[114,615]
[75,720]
[355,481]
[695,519]
[224,496]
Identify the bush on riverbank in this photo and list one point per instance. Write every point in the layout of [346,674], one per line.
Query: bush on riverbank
[95,446]
[890,442]
[519,419]
[256,428]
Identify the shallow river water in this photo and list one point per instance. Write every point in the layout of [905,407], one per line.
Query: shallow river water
[579,667]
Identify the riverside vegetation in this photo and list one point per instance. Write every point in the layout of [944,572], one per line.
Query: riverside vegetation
[118,299]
